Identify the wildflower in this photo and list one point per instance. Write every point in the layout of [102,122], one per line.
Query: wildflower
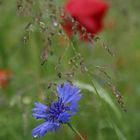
[89,14]
[5,76]
[59,112]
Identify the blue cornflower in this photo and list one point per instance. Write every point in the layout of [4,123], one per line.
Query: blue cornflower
[59,112]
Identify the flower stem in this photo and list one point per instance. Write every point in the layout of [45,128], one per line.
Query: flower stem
[75,131]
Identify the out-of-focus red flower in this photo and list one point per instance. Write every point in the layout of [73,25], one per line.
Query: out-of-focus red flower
[5,76]
[89,14]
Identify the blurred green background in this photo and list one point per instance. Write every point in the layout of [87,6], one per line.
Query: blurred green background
[98,118]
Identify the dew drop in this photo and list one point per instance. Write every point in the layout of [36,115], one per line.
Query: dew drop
[35,136]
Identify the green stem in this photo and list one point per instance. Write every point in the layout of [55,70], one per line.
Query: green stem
[95,89]
[90,73]
[75,131]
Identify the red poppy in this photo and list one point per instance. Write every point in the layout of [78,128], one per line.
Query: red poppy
[88,13]
[5,76]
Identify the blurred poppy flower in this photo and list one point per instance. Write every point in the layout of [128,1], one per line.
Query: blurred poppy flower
[5,76]
[88,13]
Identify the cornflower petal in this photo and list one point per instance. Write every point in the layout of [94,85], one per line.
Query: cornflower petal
[39,105]
[68,92]
[64,117]
[44,128]
[40,111]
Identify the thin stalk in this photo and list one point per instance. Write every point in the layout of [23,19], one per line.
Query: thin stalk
[75,131]
[90,74]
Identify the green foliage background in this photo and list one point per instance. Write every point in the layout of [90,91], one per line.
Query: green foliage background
[98,118]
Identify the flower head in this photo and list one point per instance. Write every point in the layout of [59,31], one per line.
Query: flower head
[5,76]
[89,14]
[59,112]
